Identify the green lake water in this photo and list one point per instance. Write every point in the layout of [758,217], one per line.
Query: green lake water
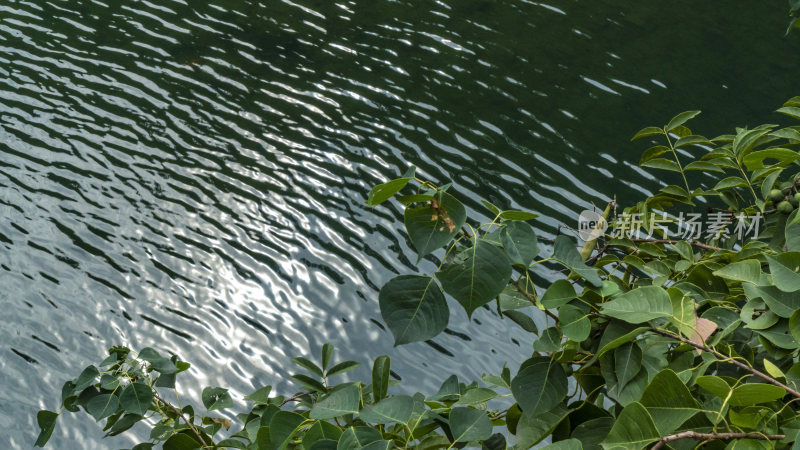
[191,175]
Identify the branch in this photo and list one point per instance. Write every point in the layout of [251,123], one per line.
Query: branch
[729,359]
[532,299]
[297,397]
[176,411]
[711,436]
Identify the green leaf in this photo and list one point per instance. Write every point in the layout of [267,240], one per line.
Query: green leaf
[344,399]
[627,362]
[784,268]
[158,362]
[592,432]
[389,410]
[681,119]
[639,305]
[520,243]
[327,356]
[102,406]
[476,276]
[559,293]
[748,270]
[714,385]
[283,426]
[564,251]
[380,377]
[633,430]
[518,215]
[575,325]
[123,424]
[358,437]
[549,341]
[783,304]
[477,396]
[261,396]
[669,402]
[646,132]
[783,157]
[523,320]
[216,398]
[431,228]
[755,393]
[540,385]
[181,441]
[414,308]
[469,424]
[321,431]
[342,367]
[532,428]
[308,383]
[47,423]
[692,140]
[87,378]
[308,365]
[704,166]
[136,398]
[662,164]
[385,191]
[790,111]
[793,232]
[567,444]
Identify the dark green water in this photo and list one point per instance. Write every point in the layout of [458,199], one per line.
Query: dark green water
[190,175]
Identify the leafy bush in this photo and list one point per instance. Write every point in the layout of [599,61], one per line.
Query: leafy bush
[652,339]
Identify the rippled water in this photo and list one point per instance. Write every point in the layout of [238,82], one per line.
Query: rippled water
[190,175]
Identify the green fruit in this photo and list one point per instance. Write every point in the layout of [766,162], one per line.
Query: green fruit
[775,195]
[796,199]
[785,207]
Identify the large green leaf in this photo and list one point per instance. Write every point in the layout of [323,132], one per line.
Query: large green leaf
[793,232]
[344,399]
[783,304]
[533,428]
[747,270]
[47,423]
[592,432]
[564,251]
[680,119]
[566,444]
[627,362]
[385,191]
[102,406]
[431,226]
[669,402]
[467,424]
[393,409]
[283,426]
[216,398]
[321,430]
[381,369]
[639,305]
[476,276]
[784,268]
[136,398]
[520,242]
[755,393]
[414,308]
[633,430]
[782,157]
[559,293]
[574,323]
[181,441]
[358,437]
[540,385]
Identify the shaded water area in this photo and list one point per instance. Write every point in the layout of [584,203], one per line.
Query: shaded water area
[191,175]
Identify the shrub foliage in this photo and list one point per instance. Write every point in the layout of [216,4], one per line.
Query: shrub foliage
[653,339]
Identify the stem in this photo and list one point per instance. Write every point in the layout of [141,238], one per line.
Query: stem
[532,299]
[729,359]
[678,161]
[297,397]
[749,184]
[711,436]
[180,414]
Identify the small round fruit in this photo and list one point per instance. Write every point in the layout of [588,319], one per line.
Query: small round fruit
[775,195]
[785,207]
[795,199]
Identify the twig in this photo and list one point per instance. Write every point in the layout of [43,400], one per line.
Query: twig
[674,241]
[711,436]
[729,359]
[532,299]
[297,397]
[179,413]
